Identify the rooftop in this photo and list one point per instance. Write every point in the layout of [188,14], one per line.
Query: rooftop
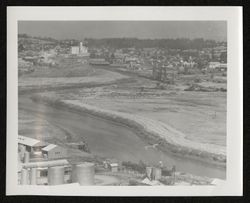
[49,147]
[30,141]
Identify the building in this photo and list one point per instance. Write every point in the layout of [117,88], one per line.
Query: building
[114,167]
[80,50]
[98,61]
[83,50]
[53,151]
[217,66]
[213,65]
[75,50]
[30,144]
[222,67]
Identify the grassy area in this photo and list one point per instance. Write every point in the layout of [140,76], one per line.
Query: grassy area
[69,73]
[201,116]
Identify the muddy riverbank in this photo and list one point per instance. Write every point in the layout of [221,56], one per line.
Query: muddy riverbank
[148,131]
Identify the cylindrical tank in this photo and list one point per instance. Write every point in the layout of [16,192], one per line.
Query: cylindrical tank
[19,158]
[74,174]
[85,173]
[56,175]
[156,173]
[33,176]
[24,177]
[149,171]
[22,149]
[26,157]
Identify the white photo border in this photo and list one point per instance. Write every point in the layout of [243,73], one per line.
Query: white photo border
[233,15]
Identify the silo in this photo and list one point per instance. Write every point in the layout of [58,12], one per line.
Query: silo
[19,158]
[149,171]
[24,176]
[26,157]
[73,174]
[33,176]
[56,175]
[85,173]
[157,173]
[22,151]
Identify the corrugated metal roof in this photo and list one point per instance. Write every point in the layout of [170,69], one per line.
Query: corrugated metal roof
[114,165]
[27,141]
[49,147]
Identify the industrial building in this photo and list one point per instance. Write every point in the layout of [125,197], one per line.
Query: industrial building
[80,50]
[56,172]
[54,152]
[30,144]
[37,147]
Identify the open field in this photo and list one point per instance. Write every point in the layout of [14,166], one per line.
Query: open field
[78,75]
[66,67]
[201,116]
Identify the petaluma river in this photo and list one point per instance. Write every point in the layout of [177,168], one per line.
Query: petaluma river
[109,139]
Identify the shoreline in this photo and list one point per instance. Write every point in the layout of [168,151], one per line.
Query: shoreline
[168,139]
[37,89]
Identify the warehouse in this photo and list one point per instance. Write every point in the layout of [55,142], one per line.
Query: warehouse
[30,144]
[54,152]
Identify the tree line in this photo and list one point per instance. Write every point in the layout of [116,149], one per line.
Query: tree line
[179,43]
[119,43]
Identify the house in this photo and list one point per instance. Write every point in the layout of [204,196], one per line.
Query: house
[111,164]
[213,65]
[114,167]
[217,66]
[53,151]
[222,67]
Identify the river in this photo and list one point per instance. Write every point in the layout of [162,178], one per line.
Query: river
[108,139]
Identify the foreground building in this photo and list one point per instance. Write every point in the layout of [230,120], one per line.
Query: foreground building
[53,151]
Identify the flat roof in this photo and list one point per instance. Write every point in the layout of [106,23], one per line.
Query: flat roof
[29,141]
[49,147]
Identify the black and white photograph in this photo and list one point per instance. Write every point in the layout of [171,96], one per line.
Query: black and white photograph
[124,102]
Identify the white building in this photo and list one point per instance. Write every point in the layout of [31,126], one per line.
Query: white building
[213,65]
[114,167]
[80,50]
[75,50]
[217,66]
[83,50]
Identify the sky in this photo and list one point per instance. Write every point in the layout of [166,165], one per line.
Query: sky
[215,30]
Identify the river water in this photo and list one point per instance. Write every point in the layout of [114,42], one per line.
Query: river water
[109,139]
